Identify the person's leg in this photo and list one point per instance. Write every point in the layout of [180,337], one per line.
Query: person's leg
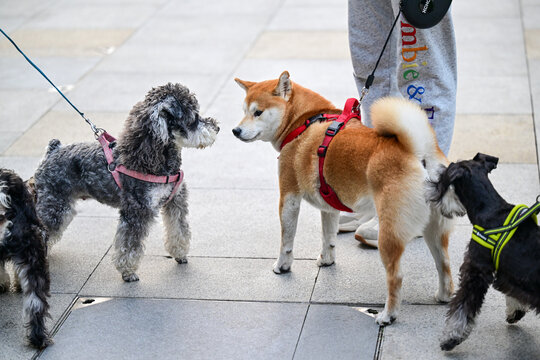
[369,24]
[427,73]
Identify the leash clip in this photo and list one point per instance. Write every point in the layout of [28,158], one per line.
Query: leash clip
[363,93]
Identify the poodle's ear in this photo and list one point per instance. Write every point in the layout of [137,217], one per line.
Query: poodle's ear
[489,162]
[284,86]
[158,122]
[244,84]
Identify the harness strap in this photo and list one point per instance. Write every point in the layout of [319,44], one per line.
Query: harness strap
[299,130]
[105,139]
[351,110]
[495,239]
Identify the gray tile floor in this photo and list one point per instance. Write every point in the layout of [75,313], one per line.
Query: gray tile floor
[226,303]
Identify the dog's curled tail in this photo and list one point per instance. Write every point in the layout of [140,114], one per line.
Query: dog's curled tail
[394,116]
[54,145]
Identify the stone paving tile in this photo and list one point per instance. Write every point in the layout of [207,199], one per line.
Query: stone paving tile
[337,332]
[491,338]
[68,127]
[509,137]
[144,328]
[531,14]
[65,42]
[7,138]
[493,95]
[81,249]
[532,42]
[118,92]
[66,15]
[297,17]
[358,276]
[307,73]
[18,74]
[486,9]
[301,45]
[241,223]
[260,8]
[206,278]
[17,118]
[12,331]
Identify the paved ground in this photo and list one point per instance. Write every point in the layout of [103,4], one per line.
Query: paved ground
[226,303]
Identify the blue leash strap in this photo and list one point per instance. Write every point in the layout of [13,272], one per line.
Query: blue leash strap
[96,130]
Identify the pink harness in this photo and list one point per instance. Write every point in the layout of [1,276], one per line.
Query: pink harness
[105,140]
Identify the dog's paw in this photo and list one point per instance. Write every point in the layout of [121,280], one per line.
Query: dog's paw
[515,316]
[181,260]
[450,343]
[443,298]
[325,261]
[281,269]
[130,277]
[384,319]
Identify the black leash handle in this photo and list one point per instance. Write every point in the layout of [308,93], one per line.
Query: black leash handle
[97,131]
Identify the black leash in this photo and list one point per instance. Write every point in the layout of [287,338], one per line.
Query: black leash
[97,131]
[371,77]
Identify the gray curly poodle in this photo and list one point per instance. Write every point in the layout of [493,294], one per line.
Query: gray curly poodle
[154,134]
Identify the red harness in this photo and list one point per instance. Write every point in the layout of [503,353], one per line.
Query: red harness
[351,110]
[105,140]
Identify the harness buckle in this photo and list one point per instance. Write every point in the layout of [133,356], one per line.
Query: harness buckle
[334,127]
[111,167]
[321,151]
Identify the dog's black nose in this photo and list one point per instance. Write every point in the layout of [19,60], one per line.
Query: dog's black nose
[237,131]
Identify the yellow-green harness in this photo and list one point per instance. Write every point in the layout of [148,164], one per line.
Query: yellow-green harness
[495,239]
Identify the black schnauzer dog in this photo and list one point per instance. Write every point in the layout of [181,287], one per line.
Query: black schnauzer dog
[23,241]
[516,270]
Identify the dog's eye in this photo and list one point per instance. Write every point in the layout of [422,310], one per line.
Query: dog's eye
[258,113]
[2,218]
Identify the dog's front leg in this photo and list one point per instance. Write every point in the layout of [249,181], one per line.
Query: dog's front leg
[289,208]
[466,303]
[330,222]
[133,225]
[177,233]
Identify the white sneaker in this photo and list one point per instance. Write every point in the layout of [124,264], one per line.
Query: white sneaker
[351,221]
[368,232]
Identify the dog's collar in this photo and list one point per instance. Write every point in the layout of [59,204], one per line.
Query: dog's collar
[495,239]
[107,141]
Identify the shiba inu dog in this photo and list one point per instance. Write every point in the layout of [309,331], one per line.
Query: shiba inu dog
[385,169]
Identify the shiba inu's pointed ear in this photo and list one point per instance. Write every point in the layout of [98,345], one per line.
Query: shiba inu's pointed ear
[489,162]
[284,86]
[244,84]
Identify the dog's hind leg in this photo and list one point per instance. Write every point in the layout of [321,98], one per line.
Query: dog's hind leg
[177,233]
[515,310]
[436,235]
[391,248]
[56,214]
[289,208]
[330,223]
[133,226]
[466,303]
[35,283]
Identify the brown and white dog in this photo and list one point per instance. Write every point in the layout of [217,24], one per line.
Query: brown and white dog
[384,169]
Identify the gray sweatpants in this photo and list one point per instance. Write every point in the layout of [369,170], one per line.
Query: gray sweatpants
[418,64]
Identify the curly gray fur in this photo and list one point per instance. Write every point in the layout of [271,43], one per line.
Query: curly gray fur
[154,133]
